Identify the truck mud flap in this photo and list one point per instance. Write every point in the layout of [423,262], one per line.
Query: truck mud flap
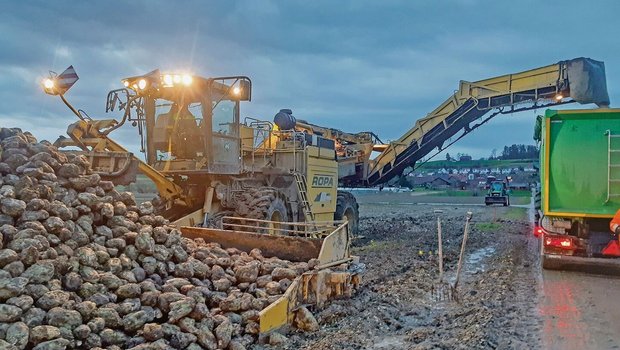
[608,266]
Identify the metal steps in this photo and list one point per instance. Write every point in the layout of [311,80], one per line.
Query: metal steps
[300,179]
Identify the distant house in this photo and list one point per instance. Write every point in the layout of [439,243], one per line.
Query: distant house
[458,181]
[465,158]
[432,181]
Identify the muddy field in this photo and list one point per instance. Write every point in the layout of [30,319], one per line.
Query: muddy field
[396,307]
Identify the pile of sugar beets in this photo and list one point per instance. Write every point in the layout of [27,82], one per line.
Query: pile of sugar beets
[83,267]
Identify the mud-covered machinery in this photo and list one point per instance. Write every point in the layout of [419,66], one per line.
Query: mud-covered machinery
[206,162]
[249,184]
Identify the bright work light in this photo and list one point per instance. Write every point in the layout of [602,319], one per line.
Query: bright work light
[48,84]
[168,80]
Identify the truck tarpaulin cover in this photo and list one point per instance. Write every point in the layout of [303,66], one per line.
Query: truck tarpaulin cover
[587,81]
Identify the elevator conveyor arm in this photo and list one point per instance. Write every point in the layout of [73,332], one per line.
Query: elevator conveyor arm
[579,80]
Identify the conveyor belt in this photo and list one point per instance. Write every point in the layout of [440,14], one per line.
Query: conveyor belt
[579,80]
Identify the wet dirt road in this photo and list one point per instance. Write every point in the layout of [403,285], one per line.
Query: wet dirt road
[506,302]
[396,307]
[579,310]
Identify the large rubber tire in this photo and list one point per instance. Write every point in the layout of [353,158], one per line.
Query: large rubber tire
[215,220]
[264,203]
[348,209]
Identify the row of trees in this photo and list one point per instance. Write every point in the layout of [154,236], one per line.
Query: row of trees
[509,152]
[459,157]
[520,152]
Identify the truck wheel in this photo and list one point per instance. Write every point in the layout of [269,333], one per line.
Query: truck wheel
[347,209]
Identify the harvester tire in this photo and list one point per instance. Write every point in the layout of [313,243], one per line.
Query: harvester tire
[215,220]
[264,203]
[347,209]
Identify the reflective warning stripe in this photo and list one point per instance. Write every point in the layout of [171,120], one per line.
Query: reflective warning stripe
[67,78]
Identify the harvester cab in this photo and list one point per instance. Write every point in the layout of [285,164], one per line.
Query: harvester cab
[186,122]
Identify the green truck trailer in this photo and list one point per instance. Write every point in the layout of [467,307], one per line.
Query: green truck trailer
[579,187]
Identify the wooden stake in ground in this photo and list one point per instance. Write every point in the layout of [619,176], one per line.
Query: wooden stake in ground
[465,233]
[441,290]
[439,248]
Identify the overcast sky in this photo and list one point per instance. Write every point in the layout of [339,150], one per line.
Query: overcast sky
[354,65]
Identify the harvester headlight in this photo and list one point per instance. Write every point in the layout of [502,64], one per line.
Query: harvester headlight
[142,84]
[48,84]
[176,78]
[168,80]
[559,97]
[187,79]
[125,83]
[236,90]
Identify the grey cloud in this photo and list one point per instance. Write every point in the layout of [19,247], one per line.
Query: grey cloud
[355,65]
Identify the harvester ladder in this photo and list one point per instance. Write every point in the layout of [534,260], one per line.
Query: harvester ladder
[613,162]
[300,179]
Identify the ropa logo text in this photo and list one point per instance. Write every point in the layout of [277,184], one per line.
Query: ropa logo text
[322,181]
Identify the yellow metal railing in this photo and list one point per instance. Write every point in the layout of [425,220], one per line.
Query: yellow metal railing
[299,229]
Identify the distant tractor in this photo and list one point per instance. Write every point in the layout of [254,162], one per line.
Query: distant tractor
[498,192]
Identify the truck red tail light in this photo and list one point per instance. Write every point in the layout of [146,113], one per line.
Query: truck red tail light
[538,231]
[563,242]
